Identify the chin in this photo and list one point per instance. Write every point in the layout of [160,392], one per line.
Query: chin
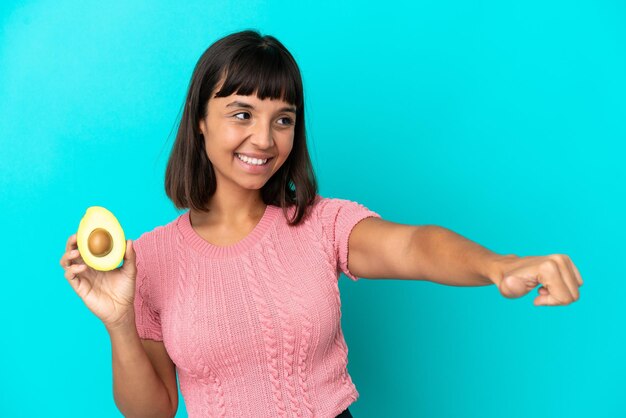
[253,186]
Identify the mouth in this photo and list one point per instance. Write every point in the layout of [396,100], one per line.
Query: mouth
[253,162]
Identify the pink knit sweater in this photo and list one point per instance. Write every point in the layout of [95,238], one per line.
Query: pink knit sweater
[253,328]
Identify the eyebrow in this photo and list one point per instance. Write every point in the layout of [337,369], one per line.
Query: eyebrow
[237,103]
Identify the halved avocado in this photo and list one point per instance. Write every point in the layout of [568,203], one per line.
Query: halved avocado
[100,239]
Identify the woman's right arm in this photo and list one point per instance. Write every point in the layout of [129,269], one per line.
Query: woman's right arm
[144,376]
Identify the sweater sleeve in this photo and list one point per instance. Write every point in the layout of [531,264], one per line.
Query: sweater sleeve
[147,318]
[338,217]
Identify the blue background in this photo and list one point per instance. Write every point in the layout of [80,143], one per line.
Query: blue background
[503,122]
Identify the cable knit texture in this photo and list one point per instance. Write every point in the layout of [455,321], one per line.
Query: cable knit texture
[254,328]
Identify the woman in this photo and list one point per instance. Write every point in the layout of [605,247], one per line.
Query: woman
[239,295]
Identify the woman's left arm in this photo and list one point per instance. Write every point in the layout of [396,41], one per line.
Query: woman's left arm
[386,250]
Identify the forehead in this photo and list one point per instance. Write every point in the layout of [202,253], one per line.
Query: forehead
[250,99]
[253,102]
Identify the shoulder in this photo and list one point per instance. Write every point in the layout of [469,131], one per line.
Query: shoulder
[334,217]
[150,244]
[331,208]
[154,252]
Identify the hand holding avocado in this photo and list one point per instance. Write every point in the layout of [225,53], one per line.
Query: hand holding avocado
[90,262]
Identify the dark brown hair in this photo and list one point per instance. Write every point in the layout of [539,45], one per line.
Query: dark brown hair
[248,63]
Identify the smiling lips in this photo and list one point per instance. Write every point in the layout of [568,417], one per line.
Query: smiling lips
[257,156]
[252,161]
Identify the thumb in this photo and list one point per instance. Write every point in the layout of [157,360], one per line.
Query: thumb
[514,287]
[130,267]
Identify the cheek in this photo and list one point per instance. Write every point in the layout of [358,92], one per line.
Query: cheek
[287,145]
[224,139]
[229,134]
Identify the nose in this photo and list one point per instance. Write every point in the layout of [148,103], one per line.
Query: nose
[262,135]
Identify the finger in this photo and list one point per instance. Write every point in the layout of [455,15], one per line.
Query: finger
[64,261]
[547,300]
[577,281]
[72,276]
[68,257]
[69,246]
[576,273]
[568,276]
[543,291]
[130,255]
[73,255]
[75,283]
[74,270]
[514,287]
[74,280]
[550,277]
[71,243]
[130,267]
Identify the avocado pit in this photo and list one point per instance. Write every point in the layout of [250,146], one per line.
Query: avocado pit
[100,239]
[100,242]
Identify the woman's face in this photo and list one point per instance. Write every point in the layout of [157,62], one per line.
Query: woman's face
[245,127]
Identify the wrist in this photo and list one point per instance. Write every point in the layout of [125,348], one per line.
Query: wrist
[123,324]
[495,270]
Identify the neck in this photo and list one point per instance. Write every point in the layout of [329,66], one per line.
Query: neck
[231,208]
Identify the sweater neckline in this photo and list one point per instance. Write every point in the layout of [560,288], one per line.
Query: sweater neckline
[225,251]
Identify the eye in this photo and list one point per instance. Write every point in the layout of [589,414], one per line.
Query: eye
[241,113]
[288,121]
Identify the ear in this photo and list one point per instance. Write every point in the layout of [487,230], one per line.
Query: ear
[201,126]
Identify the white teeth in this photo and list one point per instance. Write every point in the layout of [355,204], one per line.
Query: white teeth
[253,161]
